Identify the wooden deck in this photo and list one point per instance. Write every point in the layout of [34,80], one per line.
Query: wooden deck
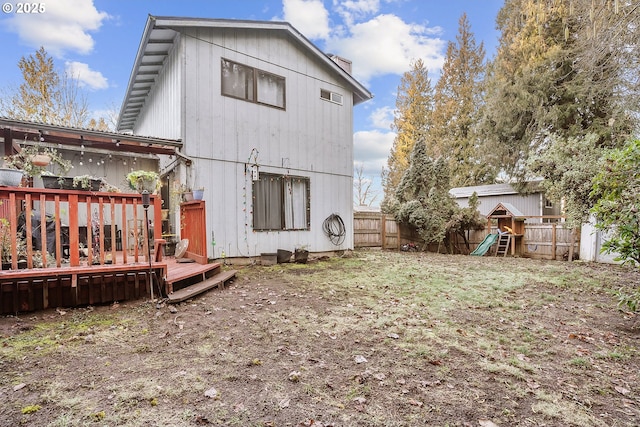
[43,226]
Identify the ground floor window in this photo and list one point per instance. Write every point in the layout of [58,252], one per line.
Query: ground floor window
[280,202]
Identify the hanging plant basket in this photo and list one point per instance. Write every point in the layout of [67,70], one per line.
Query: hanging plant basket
[144,180]
[148,184]
[41,159]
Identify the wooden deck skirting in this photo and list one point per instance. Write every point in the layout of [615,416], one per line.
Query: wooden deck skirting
[36,289]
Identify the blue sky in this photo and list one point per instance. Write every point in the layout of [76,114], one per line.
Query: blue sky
[96,41]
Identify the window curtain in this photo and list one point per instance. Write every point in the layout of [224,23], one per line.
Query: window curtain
[295,204]
[267,209]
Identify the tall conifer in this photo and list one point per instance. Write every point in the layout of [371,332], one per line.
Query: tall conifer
[458,100]
[414,104]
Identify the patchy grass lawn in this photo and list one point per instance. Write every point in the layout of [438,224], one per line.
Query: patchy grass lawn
[370,339]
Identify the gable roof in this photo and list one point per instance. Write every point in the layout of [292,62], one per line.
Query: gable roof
[495,189]
[505,209]
[157,41]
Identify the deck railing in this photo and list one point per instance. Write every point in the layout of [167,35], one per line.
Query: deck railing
[107,222]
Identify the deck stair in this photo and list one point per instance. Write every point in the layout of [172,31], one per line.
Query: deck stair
[504,243]
[189,279]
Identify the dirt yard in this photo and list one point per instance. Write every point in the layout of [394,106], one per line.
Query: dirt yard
[369,339]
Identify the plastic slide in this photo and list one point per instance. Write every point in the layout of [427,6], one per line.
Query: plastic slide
[483,247]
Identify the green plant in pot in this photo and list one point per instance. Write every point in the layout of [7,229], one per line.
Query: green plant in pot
[38,161]
[87,182]
[5,242]
[141,180]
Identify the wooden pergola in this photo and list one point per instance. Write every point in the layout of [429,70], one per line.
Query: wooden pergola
[14,132]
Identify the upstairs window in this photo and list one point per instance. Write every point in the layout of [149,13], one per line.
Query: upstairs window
[253,85]
[334,97]
[280,203]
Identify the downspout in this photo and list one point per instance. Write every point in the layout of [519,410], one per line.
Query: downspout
[187,160]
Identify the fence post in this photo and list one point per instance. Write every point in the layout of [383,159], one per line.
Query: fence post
[383,230]
[553,241]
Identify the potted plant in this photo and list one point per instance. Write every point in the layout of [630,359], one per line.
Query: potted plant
[141,180]
[5,243]
[198,194]
[11,177]
[301,255]
[87,182]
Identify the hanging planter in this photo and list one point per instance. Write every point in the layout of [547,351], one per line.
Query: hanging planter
[141,180]
[41,159]
[35,161]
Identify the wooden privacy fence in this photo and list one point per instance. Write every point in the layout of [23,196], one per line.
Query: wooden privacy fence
[540,240]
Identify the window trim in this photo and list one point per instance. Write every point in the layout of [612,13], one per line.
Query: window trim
[255,73]
[284,178]
[331,96]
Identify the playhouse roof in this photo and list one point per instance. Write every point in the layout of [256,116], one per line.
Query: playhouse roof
[505,210]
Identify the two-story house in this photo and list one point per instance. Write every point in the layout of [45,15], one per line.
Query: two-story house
[266,124]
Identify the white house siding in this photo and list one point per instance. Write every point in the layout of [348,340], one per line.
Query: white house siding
[161,113]
[311,138]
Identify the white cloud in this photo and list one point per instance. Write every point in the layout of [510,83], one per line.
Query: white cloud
[382,117]
[351,10]
[371,150]
[64,26]
[86,77]
[307,16]
[387,45]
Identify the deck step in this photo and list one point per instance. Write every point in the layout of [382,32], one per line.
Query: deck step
[216,281]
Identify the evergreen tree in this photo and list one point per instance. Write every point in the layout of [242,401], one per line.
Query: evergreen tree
[534,88]
[617,191]
[569,167]
[458,99]
[422,197]
[414,104]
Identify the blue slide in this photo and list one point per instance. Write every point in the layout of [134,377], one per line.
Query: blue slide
[483,247]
